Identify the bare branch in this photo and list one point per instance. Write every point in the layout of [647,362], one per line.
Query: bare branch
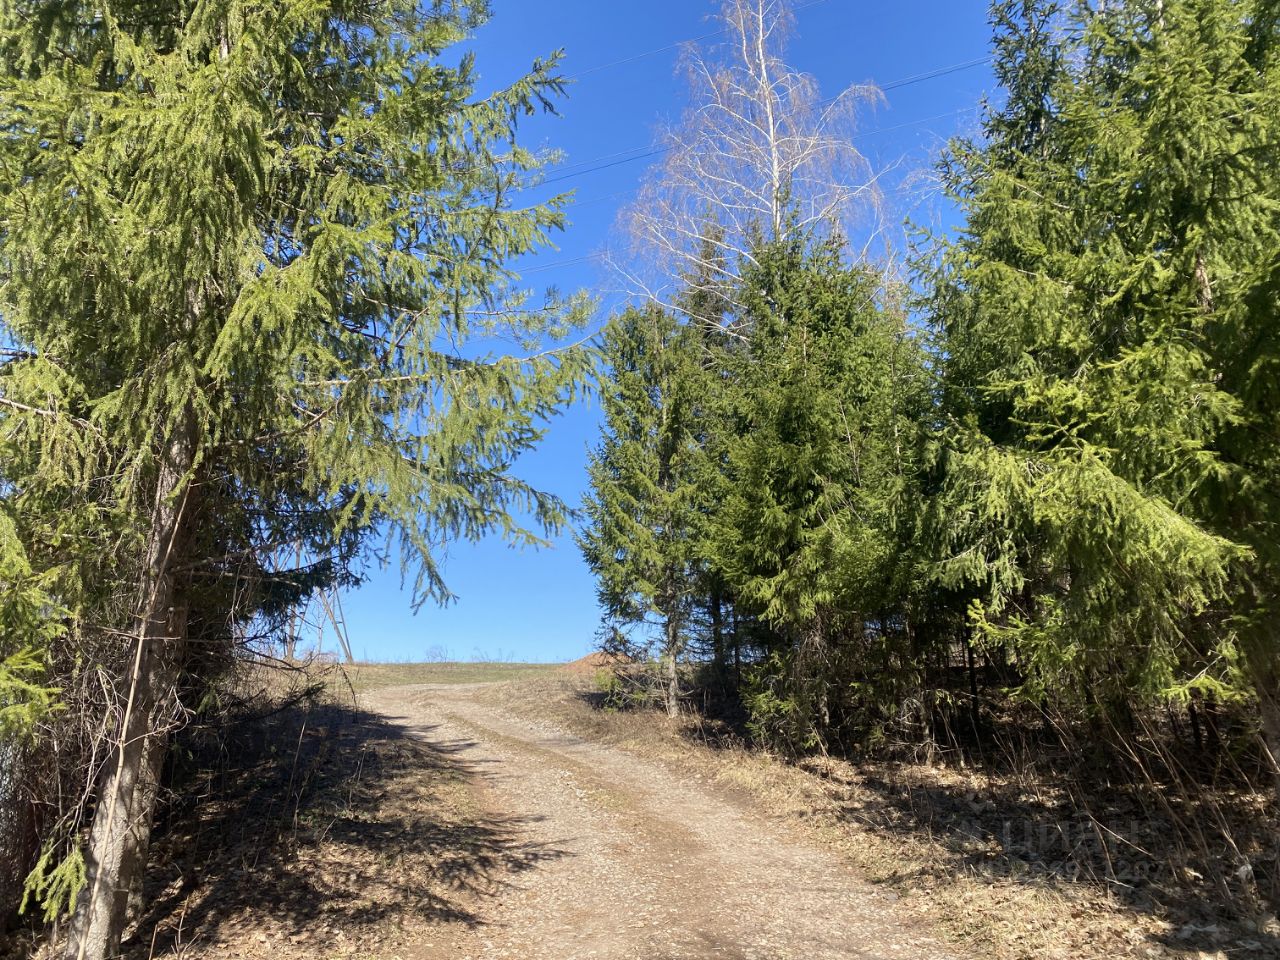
[758,154]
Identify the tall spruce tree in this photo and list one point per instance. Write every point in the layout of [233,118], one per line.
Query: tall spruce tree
[647,508]
[1108,321]
[250,253]
[828,400]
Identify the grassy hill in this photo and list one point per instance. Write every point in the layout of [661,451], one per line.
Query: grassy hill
[371,676]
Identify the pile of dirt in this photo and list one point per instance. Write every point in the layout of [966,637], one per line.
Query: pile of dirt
[597,661]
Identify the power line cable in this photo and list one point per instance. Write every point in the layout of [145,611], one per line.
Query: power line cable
[656,151]
[859,136]
[940,72]
[569,167]
[641,56]
[621,157]
[562,263]
[596,256]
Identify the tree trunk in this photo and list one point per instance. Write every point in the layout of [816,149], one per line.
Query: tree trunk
[673,668]
[673,688]
[737,652]
[809,684]
[1197,736]
[1271,733]
[717,635]
[121,827]
[975,716]
[1266,683]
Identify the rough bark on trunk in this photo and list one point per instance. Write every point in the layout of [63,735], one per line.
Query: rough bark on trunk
[975,717]
[121,828]
[1271,734]
[813,662]
[673,669]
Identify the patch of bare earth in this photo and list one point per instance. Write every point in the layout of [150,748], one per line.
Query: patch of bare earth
[1009,867]
[653,863]
[327,832]
[433,822]
[517,820]
[594,662]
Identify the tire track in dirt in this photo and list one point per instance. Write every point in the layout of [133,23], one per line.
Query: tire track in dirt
[656,866]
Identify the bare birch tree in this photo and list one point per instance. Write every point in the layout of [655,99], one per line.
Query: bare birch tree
[758,153]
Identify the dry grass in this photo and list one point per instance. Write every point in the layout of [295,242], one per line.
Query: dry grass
[302,826]
[1002,865]
[321,830]
[372,676]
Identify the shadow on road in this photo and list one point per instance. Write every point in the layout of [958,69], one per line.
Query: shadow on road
[320,828]
[1203,865]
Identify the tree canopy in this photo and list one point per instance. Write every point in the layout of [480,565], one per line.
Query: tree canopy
[254,259]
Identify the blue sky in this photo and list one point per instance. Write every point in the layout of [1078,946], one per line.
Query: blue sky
[540,605]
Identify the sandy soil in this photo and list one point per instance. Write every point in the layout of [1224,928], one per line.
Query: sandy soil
[640,863]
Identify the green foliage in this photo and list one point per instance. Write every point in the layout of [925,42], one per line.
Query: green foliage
[30,624]
[763,465]
[274,227]
[1073,487]
[55,883]
[1107,436]
[636,686]
[648,504]
[777,716]
[609,685]
[265,246]
[24,699]
[829,403]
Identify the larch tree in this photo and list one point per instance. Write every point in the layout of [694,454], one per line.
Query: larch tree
[252,256]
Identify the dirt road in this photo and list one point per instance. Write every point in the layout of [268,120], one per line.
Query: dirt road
[648,864]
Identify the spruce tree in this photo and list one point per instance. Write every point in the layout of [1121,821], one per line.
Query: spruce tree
[1107,321]
[251,256]
[647,507]
[822,466]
